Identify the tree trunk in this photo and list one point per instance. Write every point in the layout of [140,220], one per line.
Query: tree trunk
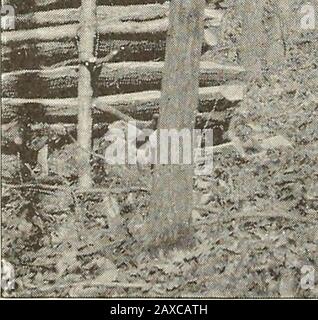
[278,27]
[264,38]
[253,40]
[169,221]
[87,33]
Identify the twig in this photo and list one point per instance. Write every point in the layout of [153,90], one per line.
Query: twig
[74,189]
[115,190]
[121,116]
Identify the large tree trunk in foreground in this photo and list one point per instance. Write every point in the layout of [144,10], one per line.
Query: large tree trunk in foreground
[85,90]
[172,195]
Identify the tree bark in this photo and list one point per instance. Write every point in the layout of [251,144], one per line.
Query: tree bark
[253,40]
[264,38]
[170,215]
[279,28]
[87,35]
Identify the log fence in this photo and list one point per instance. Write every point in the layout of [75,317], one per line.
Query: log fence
[75,64]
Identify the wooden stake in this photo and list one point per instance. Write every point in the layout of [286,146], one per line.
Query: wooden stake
[87,34]
[43,155]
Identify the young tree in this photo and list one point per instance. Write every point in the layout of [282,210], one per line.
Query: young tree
[87,33]
[172,195]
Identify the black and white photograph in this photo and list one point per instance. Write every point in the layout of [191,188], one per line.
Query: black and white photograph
[159,149]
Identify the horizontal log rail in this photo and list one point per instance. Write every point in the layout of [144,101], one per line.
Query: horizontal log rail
[112,78]
[70,31]
[29,6]
[109,14]
[140,105]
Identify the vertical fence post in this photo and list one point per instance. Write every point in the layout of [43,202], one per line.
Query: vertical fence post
[87,33]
